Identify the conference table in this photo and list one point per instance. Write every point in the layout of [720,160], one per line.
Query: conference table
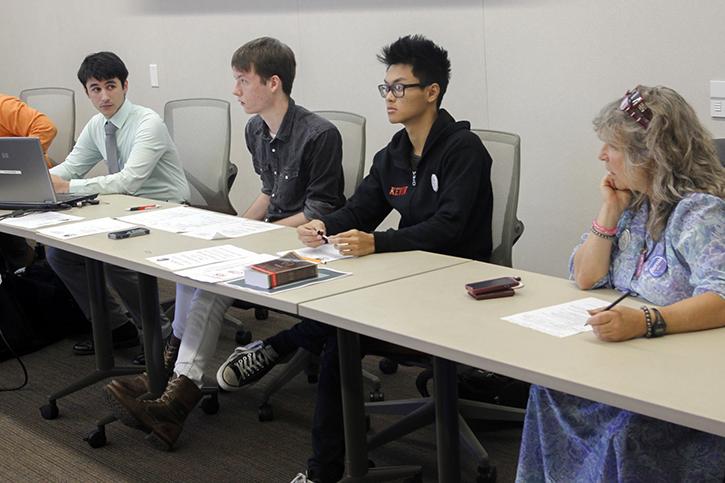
[417,300]
[133,254]
[672,378]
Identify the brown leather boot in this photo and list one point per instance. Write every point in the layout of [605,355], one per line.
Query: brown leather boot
[162,418]
[138,385]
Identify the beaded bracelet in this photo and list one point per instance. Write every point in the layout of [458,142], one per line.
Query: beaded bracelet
[647,320]
[604,236]
[601,229]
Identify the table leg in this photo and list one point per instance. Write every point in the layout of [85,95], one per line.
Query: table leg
[102,341]
[148,293]
[353,409]
[446,405]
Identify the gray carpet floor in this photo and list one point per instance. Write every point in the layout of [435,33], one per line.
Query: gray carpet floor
[229,446]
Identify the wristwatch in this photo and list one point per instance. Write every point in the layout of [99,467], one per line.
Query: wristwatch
[659,326]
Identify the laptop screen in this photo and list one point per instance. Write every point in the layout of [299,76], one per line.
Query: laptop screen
[24,176]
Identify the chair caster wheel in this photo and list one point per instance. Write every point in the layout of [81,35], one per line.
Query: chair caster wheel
[311,378]
[261,313]
[486,474]
[96,438]
[210,404]
[50,410]
[388,366]
[376,396]
[243,337]
[265,413]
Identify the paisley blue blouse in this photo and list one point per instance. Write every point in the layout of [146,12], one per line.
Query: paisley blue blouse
[567,438]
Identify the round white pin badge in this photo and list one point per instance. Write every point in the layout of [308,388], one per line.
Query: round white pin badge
[624,239]
[434,182]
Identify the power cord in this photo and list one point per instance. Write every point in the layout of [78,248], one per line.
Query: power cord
[20,361]
[16,356]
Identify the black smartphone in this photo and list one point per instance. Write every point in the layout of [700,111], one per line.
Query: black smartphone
[130,233]
[493,285]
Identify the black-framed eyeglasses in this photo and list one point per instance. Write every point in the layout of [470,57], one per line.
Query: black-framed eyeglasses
[398,89]
[634,105]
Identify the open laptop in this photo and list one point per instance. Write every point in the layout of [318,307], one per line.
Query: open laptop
[24,179]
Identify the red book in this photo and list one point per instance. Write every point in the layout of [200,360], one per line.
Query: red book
[279,271]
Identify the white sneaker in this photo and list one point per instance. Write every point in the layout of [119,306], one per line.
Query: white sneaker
[301,478]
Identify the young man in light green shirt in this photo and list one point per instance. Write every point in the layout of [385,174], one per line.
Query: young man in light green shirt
[142,161]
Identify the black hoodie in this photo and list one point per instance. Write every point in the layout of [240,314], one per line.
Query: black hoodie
[445,205]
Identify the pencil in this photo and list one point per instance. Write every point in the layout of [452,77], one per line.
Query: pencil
[621,297]
[611,306]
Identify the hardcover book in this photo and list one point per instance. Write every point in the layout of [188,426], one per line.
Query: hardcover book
[279,271]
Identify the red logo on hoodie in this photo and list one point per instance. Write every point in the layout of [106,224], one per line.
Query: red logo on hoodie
[398,190]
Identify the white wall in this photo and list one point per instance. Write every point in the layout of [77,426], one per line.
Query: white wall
[541,68]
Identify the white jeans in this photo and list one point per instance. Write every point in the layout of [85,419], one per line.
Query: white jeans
[198,317]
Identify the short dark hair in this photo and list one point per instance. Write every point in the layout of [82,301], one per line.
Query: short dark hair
[268,57]
[429,61]
[102,66]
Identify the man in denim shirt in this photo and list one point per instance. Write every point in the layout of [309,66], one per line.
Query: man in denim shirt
[298,156]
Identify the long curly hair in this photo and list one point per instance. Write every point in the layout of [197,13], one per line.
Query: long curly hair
[674,155]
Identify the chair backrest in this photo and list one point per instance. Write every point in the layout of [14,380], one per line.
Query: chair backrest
[58,103]
[720,146]
[505,149]
[201,130]
[352,130]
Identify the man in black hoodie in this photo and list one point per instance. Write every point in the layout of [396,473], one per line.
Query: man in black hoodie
[436,173]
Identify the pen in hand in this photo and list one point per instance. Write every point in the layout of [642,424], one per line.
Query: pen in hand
[324,238]
[613,304]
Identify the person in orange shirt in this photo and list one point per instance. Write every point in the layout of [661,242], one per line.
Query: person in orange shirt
[17,119]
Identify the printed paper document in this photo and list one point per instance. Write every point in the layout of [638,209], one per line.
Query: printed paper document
[202,256]
[83,228]
[224,271]
[36,220]
[197,223]
[559,320]
[322,254]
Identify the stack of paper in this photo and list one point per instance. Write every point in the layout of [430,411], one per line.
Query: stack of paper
[197,223]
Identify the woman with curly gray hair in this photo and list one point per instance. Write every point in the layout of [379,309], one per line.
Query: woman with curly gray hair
[660,235]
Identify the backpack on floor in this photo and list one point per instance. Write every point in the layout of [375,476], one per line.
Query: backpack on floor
[36,309]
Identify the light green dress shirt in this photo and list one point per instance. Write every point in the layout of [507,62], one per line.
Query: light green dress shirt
[147,157]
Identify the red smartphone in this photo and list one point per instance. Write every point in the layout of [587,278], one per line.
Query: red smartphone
[493,285]
[507,292]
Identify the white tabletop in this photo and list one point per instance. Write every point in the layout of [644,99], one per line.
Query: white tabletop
[676,378]
[132,253]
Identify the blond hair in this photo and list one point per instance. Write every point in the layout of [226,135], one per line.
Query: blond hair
[675,154]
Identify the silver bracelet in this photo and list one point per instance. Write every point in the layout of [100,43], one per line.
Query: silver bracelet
[604,236]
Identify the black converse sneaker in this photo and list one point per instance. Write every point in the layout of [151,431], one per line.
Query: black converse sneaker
[246,365]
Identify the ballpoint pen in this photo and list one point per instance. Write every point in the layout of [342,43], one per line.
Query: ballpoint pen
[324,238]
[142,207]
[611,306]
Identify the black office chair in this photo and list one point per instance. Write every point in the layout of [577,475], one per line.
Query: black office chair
[505,149]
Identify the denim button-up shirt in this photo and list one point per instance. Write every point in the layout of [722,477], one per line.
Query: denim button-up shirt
[301,167]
